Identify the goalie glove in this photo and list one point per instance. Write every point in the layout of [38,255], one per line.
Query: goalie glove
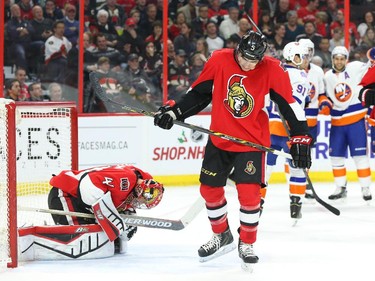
[300,150]
[367,97]
[167,114]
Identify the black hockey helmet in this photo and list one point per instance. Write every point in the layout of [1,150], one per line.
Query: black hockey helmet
[253,45]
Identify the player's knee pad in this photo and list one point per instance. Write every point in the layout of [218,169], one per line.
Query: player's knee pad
[249,194]
[361,162]
[338,162]
[212,194]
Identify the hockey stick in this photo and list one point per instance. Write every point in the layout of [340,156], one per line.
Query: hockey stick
[309,182]
[102,95]
[136,220]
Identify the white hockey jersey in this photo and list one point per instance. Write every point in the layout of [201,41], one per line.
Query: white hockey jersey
[343,89]
[301,93]
[315,76]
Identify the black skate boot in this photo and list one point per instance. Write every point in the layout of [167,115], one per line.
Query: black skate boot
[339,193]
[219,245]
[247,255]
[366,194]
[295,207]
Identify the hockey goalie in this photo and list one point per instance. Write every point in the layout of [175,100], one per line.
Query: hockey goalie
[106,192]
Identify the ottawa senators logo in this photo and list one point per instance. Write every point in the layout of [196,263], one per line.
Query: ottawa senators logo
[250,169]
[343,92]
[238,101]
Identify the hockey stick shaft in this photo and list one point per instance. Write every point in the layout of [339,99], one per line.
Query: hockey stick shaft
[309,182]
[101,94]
[135,220]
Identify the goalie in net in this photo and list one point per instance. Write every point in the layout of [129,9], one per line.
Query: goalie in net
[106,192]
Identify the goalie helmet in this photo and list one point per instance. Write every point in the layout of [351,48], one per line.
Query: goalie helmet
[252,46]
[310,46]
[295,48]
[148,194]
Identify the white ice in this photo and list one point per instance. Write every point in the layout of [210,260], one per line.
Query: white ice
[322,246]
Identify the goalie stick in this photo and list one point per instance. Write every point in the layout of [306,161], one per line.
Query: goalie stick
[136,220]
[103,96]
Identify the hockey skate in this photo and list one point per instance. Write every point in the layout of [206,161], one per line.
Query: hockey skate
[218,245]
[339,193]
[295,207]
[247,256]
[309,194]
[366,194]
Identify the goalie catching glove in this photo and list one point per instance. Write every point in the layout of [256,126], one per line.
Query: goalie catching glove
[167,114]
[300,150]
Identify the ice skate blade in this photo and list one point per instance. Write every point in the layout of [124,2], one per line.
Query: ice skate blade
[295,222]
[222,251]
[248,267]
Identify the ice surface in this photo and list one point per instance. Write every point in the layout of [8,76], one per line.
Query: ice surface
[321,246]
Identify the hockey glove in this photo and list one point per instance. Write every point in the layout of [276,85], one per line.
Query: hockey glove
[300,150]
[167,114]
[367,97]
[325,105]
[130,230]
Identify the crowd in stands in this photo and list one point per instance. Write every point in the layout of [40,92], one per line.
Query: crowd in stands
[123,41]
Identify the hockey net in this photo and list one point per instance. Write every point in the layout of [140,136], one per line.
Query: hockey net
[37,140]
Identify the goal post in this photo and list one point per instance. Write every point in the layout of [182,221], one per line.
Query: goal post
[37,140]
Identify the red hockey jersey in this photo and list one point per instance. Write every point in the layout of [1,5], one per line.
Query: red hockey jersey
[93,183]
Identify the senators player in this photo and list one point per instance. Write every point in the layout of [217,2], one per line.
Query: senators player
[239,84]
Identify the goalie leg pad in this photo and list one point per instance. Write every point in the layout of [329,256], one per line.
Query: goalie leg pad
[108,217]
[63,243]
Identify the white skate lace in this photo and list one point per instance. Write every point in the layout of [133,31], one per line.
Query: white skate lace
[213,243]
[247,249]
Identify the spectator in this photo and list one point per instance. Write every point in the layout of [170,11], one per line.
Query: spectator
[57,47]
[51,11]
[128,6]
[230,25]
[178,76]
[26,9]
[190,10]
[368,40]
[324,53]
[105,27]
[196,66]
[42,26]
[215,12]
[214,41]
[136,16]
[116,13]
[156,36]
[278,40]
[199,23]
[232,41]
[340,22]
[265,24]
[55,92]
[36,92]
[331,10]
[146,26]
[12,89]
[184,41]
[337,38]
[307,11]
[269,6]
[140,5]
[281,11]
[322,27]
[20,34]
[171,51]
[368,22]
[21,75]
[103,50]
[175,28]
[71,24]
[292,27]
[202,47]
[310,33]
[132,37]
[89,12]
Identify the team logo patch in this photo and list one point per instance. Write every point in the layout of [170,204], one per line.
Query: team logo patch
[312,91]
[250,169]
[239,103]
[343,92]
[124,184]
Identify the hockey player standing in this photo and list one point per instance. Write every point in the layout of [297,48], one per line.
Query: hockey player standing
[239,83]
[348,128]
[296,57]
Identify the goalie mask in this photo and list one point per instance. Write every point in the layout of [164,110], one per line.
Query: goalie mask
[148,194]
